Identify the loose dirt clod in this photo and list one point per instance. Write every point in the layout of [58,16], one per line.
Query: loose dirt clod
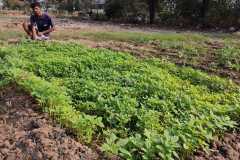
[227,148]
[25,133]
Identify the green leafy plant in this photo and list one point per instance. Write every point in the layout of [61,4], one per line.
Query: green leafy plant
[141,109]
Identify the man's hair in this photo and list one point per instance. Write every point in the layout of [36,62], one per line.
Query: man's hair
[35,4]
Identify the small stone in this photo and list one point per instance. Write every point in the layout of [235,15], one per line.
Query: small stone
[232,29]
[237,33]
[8,103]
[11,157]
[218,158]
[233,155]
[238,147]
[223,150]
[39,155]
[4,151]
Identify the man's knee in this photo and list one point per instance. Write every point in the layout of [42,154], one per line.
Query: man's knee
[25,25]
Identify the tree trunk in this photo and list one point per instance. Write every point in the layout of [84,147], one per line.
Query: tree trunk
[152,10]
[204,8]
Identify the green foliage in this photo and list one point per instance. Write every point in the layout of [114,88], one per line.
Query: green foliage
[181,48]
[10,34]
[127,10]
[13,4]
[229,57]
[205,13]
[149,108]
[114,8]
[51,96]
[140,37]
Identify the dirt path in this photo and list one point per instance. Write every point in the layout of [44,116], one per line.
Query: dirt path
[88,24]
[26,133]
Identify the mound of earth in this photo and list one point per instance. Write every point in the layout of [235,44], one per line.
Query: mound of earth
[26,133]
[227,148]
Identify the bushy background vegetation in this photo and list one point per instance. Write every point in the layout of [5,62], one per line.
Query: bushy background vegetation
[208,13]
[201,13]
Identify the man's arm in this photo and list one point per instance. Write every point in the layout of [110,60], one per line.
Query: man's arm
[50,22]
[33,25]
[34,33]
[48,31]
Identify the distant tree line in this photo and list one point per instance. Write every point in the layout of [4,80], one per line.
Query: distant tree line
[202,13]
[13,4]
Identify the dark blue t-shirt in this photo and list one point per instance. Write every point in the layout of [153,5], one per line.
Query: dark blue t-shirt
[43,23]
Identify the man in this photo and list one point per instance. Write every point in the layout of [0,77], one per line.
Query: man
[41,25]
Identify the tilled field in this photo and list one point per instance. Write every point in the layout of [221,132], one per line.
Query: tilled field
[226,148]
[26,133]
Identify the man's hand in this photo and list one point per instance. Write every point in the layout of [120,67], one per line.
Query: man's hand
[39,34]
[48,31]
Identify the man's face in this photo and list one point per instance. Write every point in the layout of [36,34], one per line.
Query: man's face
[37,11]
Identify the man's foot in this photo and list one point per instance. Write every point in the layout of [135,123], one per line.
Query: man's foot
[42,38]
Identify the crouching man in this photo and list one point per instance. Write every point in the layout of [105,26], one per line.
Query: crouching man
[41,24]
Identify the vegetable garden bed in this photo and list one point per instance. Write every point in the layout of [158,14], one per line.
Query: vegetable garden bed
[137,109]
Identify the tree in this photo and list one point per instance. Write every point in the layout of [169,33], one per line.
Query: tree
[204,8]
[115,8]
[132,11]
[74,5]
[13,4]
[152,10]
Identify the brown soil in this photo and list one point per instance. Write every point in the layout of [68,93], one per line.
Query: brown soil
[26,133]
[227,148]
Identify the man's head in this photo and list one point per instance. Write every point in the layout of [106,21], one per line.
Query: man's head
[36,7]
